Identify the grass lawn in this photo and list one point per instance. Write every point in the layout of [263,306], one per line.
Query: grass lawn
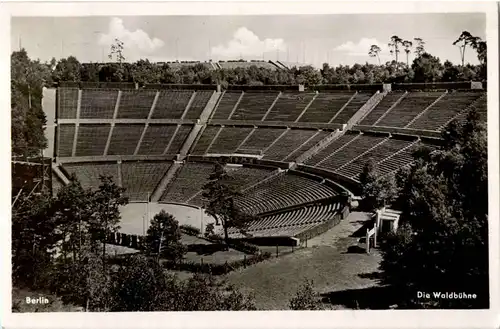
[330,263]
[208,252]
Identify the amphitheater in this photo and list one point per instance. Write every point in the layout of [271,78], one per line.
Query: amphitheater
[295,154]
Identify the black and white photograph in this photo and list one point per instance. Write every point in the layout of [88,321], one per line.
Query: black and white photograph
[252,161]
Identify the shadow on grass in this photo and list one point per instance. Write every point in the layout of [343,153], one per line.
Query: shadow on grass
[362,230]
[373,298]
[355,250]
[371,276]
[206,249]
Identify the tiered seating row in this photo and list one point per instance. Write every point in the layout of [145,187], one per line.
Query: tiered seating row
[66,136]
[288,143]
[98,103]
[240,178]
[189,180]
[325,106]
[384,150]
[88,173]
[350,151]
[481,107]
[331,148]
[179,139]
[444,110]
[382,107]
[141,178]
[400,159]
[254,105]
[411,106]
[124,139]
[205,139]
[198,105]
[320,135]
[297,218]
[289,106]
[281,191]
[261,138]
[68,102]
[92,139]
[171,104]
[226,105]
[156,139]
[135,104]
[229,139]
[354,105]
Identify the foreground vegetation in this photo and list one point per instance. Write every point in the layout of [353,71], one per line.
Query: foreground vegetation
[441,244]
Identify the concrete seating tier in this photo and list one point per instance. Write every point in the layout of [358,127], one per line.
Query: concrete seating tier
[88,173]
[412,105]
[325,106]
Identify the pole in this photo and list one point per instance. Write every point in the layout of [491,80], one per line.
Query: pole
[177,49]
[201,219]
[147,212]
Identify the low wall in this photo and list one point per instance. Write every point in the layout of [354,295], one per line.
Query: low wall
[353,87]
[275,124]
[349,184]
[398,131]
[431,86]
[179,204]
[115,158]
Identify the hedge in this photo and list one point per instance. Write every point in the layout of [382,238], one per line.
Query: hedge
[190,230]
[217,269]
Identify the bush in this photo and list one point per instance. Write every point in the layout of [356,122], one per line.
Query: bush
[217,269]
[209,230]
[245,247]
[190,230]
[305,298]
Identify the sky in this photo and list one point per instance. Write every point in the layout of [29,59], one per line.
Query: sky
[313,39]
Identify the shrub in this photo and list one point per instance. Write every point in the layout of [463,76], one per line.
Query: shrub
[217,269]
[190,230]
[245,247]
[305,298]
[209,230]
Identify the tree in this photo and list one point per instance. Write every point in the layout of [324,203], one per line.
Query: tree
[34,240]
[465,40]
[374,52]
[305,298]
[67,69]
[419,49]
[442,240]
[219,195]
[142,286]
[376,191]
[143,72]
[427,68]
[207,293]
[481,49]
[105,211]
[309,76]
[116,51]
[163,237]
[407,45]
[86,283]
[394,45]
[28,119]
[72,212]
